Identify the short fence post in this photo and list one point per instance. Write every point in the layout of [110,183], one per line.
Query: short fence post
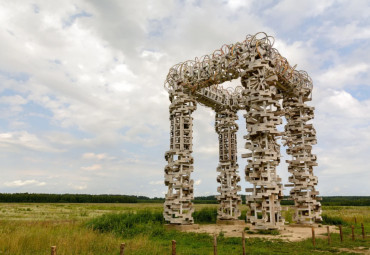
[329,240]
[53,250]
[122,249]
[353,232]
[341,233]
[313,236]
[173,247]
[355,220]
[215,244]
[243,242]
[363,230]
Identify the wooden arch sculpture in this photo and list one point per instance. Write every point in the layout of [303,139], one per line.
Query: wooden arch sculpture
[271,89]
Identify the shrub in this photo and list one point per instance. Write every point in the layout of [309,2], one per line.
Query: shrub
[243,215]
[288,216]
[129,224]
[205,215]
[330,220]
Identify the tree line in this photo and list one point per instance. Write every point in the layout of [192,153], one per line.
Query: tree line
[64,198]
[108,198]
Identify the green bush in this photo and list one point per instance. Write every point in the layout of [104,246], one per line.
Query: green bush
[129,224]
[205,215]
[243,215]
[330,220]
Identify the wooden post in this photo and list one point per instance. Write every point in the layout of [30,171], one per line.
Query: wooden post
[313,236]
[215,244]
[329,239]
[173,247]
[355,220]
[53,250]
[122,249]
[341,233]
[243,242]
[353,232]
[363,230]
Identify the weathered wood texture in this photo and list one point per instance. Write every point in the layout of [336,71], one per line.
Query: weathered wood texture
[266,79]
[300,136]
[178,207]
[228,178]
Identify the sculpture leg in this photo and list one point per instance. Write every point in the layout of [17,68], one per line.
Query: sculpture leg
[228,178]
[178,207]
[262,117]
[300,136]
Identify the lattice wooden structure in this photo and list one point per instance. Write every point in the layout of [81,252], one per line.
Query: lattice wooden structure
[271,89]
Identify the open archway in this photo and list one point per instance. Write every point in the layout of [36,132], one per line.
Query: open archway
[266,80]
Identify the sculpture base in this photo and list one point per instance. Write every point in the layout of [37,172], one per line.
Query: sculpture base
[303,225]
[267,226]
[181,227]
[230,222]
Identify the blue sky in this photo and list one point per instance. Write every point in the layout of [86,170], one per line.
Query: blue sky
[82,103]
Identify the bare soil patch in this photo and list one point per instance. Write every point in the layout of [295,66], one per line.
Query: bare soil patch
[288,233]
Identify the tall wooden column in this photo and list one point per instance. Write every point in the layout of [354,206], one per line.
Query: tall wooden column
[226,128]
[300,136]
[262,117]
[178,207]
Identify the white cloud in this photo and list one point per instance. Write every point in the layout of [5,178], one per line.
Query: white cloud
[20,183]
[236,4]
[78,187]
[291,14]
[13,100]
[92,155]
[343,75]
[91,85]
[14,141]
[347,34]
[92,167]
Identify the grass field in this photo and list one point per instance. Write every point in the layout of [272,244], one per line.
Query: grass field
[82,229]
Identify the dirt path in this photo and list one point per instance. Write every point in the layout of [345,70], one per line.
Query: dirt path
[289,233]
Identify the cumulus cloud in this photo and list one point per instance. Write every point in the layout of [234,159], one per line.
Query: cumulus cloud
[20,183]
[81,86]
[92,155]
[24,140]
[92,167]
[291,14]
[344,75]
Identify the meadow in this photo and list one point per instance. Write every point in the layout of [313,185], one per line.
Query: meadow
[32,228]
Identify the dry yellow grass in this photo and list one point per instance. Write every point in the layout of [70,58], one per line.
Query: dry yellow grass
[349,213]
[24,237]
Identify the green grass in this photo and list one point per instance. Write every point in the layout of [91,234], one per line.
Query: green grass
[129,224]
[243,214]
[100,228]
[205,215]
[332,220]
